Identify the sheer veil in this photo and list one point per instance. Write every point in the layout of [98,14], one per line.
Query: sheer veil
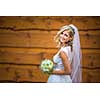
[77,57]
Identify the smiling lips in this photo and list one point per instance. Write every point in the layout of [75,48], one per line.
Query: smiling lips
[62,39]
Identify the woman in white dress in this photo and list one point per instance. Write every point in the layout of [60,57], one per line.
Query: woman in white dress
[67,61]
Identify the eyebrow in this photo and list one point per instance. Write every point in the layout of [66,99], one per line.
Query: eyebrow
[65,34]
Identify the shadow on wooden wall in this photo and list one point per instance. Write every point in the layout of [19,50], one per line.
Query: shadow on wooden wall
[26,41]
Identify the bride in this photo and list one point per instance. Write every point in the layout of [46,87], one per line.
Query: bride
[67,60]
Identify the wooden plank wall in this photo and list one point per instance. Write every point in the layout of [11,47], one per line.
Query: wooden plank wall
[26,40]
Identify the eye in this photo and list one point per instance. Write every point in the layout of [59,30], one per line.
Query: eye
[61,32]
[66,35]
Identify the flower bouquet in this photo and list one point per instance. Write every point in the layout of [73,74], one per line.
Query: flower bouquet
[47,66]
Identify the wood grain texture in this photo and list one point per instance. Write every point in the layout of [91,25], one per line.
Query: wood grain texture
[26,40]
[53,22]
[91,76]
[89,39]
[32,57]
[21,73]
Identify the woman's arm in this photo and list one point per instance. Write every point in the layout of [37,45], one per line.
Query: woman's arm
[67,66]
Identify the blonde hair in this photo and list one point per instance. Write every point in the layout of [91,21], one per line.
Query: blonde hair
[70,30]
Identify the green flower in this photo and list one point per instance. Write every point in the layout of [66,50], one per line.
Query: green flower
[47,66]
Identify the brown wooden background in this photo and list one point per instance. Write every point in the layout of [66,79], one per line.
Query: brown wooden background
[26,40]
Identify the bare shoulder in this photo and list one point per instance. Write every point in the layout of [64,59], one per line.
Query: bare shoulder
[63,54]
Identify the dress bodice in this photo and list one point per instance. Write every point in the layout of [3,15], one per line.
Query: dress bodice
[53,78]
[57,59]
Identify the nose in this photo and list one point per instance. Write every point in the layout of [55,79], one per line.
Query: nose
[63,34]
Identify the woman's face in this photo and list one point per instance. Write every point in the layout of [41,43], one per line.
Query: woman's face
[64,37]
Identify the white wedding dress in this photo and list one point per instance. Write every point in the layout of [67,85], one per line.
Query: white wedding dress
[54,78]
